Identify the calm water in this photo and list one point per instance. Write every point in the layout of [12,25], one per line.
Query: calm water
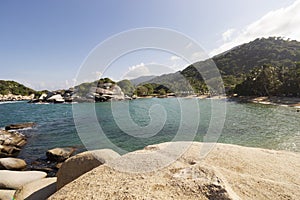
[158,120]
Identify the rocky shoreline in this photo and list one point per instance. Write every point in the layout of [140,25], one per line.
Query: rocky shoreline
[227,172]
[12,97]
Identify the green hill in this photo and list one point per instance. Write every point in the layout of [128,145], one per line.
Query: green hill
[12,87]
[236,64]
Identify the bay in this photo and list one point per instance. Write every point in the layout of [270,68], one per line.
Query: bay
[128,126]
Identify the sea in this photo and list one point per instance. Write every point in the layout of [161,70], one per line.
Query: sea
[127,126]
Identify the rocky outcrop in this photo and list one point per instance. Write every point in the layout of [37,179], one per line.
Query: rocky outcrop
[11,143]
[15,179]
[20,126]
[159,172]
[59,154]
[59,96]
[37,190]
[81,163]
[12,164]
[106,92]
[12,97]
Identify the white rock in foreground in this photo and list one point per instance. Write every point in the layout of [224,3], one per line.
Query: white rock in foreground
[37,190]
[227,172]
[16,179]
[81,163]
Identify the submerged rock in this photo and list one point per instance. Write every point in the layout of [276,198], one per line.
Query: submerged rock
[20,126]
[12,163]
[37,190]
[81,163]
[59,154]
[15,179]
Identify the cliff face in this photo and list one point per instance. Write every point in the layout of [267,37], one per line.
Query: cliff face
[227,172]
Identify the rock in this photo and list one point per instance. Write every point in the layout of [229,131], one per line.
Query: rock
[57,98]
[37,190]
[7,194]
[81,163]
[20,126]
[15,180]
[10,143]
[227,172]
[43,96]
[59,154]
[12,163]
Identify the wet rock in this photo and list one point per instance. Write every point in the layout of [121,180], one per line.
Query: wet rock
[20,126]
[59,154]
[40,189]
[12,163]
[15,179]
[11,143]
[81,163]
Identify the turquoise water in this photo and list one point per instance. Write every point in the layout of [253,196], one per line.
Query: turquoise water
[253,125]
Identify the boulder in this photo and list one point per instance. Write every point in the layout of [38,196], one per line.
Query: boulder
[10,143]
[39,189]
[57,98]
[227,172]
[81,163]
[20,126]
[15,180]
[7,194]
[12,163]
[59,154]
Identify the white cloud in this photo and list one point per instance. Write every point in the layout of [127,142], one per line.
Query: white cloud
[174,58]
[284,22]
[227,35]
[137,71]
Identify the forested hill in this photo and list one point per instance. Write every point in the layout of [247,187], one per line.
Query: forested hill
[236,64]
[12,87]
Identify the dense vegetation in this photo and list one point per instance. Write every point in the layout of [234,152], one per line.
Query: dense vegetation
[269,80]
[236,66]
[12,87]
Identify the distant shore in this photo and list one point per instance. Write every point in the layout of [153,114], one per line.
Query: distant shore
[278,101]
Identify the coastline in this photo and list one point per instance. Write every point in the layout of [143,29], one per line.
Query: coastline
[277,101]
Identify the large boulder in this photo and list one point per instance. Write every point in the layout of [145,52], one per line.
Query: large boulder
[57,98]
[59,154]
[12,163]
[20,126]
[77,165]
[37,190]
[15,179]
[227,172]
[7,194]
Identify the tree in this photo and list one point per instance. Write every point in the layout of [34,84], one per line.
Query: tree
[141,91]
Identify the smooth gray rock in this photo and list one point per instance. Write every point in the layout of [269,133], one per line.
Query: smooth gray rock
[38,190]
[12,163]
[15,179]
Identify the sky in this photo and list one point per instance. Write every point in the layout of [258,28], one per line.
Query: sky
[45,44]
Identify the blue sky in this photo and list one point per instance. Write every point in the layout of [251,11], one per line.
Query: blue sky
[44,43]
